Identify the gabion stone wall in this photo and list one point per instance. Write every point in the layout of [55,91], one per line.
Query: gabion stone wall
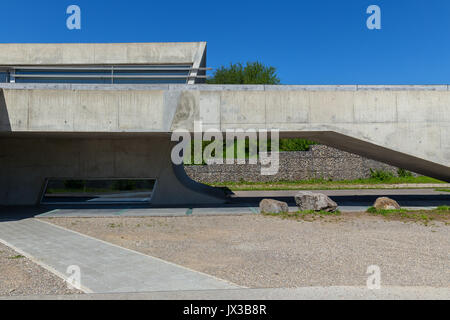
[320,162]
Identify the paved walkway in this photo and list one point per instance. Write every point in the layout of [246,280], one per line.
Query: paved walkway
[105,268]
[146,212]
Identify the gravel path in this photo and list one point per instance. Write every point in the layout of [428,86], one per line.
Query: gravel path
[20,276]
[262,252]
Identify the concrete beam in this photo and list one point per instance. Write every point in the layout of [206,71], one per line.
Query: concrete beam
[413,121]
[101,53]
[50,131]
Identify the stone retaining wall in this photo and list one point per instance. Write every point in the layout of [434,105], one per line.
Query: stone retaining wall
[320,162]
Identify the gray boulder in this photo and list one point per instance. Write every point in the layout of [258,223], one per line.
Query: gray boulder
[273,206]
[307,200]
[385,203]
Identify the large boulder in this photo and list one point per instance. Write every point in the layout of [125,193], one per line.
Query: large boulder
[385,203]
[307,201]
[273,206]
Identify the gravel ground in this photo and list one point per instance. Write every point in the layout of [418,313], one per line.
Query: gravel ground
[262,252]
[20,276]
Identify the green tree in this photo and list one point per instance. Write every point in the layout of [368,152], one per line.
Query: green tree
[252,73]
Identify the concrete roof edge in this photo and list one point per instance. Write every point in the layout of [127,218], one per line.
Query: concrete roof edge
[99,53]
[101,43]
[208,87]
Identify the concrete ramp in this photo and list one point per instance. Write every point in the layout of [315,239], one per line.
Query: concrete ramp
[379,153]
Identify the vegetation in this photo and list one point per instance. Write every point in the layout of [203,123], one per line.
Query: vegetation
[380,175]
[308,215]
[386,212]
[424,216]
[323,184]
[251,73]
[113,225]
[16,257]
[295,144]
[402,173]
[285,145]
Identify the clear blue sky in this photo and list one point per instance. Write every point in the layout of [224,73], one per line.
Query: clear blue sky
[309,42]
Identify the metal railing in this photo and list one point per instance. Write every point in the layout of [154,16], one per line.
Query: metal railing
[108,74]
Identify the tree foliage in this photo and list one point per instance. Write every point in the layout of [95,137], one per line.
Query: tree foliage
[252,73]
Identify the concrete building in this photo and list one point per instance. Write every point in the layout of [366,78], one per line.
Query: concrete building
[106,111]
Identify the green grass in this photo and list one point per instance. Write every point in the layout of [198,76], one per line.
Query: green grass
[113,225]
[373,210]
[303,214]
[323,184]
[16,257]
[443,190]
[424,216]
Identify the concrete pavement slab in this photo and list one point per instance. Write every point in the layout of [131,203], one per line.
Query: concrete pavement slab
[307,293]
[117,212]
[105,268]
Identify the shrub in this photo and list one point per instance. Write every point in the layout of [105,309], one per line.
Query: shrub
[381,175]
[295,144]
[403,173]
[251,73]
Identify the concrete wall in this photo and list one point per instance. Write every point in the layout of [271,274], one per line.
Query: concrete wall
[321,162]
[405,126]
[27,161]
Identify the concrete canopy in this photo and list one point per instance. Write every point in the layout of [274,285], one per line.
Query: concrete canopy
[101,53]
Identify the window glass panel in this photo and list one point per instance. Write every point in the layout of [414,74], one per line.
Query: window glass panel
[98,191]
[3,77]
[104,74]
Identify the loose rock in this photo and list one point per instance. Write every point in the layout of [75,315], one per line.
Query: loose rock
[385,203]
[307,200]
[273,206]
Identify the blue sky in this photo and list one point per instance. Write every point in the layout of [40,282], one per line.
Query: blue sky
[309,42]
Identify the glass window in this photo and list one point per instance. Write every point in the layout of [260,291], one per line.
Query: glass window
[98,191]
[105,74]
[3,77]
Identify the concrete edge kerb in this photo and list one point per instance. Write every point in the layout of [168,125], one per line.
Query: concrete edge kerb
[207,87]
[299,293]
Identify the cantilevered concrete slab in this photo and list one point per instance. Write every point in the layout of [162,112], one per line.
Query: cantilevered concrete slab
[35,54]
[115,131]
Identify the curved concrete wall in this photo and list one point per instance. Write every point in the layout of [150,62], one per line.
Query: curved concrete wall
[27,161]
